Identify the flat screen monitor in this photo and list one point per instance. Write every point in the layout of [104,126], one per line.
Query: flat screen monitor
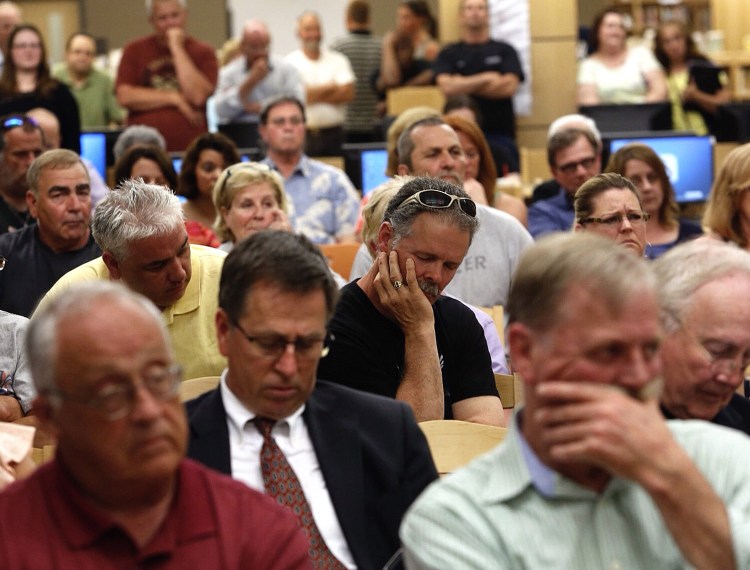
[365,164]
[94,149]
[689,161]
[628,118]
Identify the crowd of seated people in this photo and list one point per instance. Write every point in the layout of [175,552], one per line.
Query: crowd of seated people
[207,260]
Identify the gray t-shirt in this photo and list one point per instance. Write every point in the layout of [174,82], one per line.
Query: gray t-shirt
[14,369]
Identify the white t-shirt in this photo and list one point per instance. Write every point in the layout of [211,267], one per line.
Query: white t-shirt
[330,67]
[623,84]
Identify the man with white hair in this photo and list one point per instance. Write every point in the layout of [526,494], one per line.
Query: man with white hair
[119,492]
[165,79]
[704,286]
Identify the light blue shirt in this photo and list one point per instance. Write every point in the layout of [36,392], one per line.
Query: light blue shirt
[323,203]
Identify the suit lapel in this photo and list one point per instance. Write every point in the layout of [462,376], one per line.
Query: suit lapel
[209,435]
[335,437]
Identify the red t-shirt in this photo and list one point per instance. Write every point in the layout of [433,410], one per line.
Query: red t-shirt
[214,523]
[147,62]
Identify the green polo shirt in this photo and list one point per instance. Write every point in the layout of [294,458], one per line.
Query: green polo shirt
[97,103]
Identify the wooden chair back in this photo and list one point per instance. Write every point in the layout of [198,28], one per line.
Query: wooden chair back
[340,257]
[454,443]
[194,387]
[400,99]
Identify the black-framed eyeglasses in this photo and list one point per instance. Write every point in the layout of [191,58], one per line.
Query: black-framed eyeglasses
[571,167]
[273,346]
[634,218]
[116,400]
[438,199]
[12,121]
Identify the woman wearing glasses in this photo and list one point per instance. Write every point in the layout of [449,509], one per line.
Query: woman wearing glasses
[664,228]
[609,205]
[26,84]
[727,215]
[248,197]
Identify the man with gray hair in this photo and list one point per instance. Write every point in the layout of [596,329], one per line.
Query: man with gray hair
[590,475]
[394,334]
[141,232]
[119,492]
[704,286]
[430,147]
[37,255]
[164,79]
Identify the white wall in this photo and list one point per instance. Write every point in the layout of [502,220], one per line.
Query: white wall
[281,18]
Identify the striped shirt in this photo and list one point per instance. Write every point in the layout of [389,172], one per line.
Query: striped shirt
[363,51]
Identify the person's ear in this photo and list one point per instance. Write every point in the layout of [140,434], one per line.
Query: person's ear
[112,265]
[520,342]
[223,325]
[385,234]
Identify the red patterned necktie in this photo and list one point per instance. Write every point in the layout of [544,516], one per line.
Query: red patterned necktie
[282,484]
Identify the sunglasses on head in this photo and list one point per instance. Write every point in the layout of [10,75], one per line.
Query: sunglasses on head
[17,121]
[440,199]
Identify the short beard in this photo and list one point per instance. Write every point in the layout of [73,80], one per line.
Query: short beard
[429,288]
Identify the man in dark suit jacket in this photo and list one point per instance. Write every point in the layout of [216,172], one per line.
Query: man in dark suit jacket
[361,459]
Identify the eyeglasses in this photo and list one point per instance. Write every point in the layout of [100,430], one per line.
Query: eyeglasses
[634,218]
[571,167]
[273,346]
[27,46]
[2,263]
[439,199]
[13,121]
[718,354]
[116,400]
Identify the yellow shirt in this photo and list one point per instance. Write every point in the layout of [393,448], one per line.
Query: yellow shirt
[190,320]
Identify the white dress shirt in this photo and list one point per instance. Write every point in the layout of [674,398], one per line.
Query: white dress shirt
[245,443]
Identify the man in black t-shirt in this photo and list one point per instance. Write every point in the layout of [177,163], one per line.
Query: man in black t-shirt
[394,334]
[486,69]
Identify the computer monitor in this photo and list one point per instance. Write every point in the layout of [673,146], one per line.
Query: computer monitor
[94,148]
[612,118]
[689,161]
[365,164]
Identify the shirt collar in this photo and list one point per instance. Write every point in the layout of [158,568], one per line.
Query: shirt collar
[240,416]
[303,166]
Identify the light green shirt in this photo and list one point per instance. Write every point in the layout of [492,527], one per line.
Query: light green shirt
[490,514]
[97,103]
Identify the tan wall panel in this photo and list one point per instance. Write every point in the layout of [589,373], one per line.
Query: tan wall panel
[56,19]
[548,21]
[733,17]
[554,71]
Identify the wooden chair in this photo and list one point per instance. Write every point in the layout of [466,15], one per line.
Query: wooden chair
[455,443]
[193,388]
[498,316]
[41,455]
[340,257]
[400,99]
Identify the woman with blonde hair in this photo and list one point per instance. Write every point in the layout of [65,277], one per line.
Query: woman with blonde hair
[642,166]
[480,180]
[727,215]
[248,197]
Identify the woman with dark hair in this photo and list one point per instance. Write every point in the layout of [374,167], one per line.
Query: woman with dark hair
[643,167]
[413,18]
[26,83]
[480,180]
[616,73]
[692,109]
[148,162]
[204,159]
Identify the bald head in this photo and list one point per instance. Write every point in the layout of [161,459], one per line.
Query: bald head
[10,17]
[255,41]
